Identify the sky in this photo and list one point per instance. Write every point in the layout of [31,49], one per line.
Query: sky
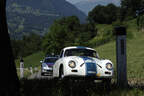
[74,1]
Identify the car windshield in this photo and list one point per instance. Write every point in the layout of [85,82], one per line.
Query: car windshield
[50,60]
[81,52]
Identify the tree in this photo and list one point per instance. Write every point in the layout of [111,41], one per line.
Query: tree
[88,31]
[16,47]
[129,8]
[28,45]
[140,22]
[9,80]
[65,32]
[103,14]
[61,34]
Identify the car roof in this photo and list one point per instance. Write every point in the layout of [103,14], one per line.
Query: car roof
[77,47]
[50,57]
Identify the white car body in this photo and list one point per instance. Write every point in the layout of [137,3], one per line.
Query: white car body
[85,66]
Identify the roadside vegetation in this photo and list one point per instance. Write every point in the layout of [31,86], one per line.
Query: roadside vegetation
[32,61]
[135,56]
[46,87]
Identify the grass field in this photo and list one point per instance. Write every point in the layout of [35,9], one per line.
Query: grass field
[135,56]
[32,60]
[135,51]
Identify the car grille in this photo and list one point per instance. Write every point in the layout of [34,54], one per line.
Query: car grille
[91,68]
[50,66]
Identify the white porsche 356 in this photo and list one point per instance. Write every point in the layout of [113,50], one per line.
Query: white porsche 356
[82,62]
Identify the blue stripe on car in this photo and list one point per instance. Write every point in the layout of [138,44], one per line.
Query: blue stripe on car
[90,67]
[81,47]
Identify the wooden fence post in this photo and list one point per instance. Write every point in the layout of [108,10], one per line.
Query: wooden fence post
[121,56]
[21,68]
[31,70]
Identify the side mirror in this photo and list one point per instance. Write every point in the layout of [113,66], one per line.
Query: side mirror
[41,61]
[58,56]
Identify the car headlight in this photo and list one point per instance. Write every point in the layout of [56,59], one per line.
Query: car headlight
[44,65]
[109,66]
[72,64]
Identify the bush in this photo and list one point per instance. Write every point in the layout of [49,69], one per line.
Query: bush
[102,38]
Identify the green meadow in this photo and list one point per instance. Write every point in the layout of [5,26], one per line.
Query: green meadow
[135,51]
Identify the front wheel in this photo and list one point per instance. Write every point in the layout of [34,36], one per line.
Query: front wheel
[42,74]
[61,73]
[107,83]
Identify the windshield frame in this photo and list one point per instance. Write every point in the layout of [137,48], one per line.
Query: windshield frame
[81,49]
[50,59]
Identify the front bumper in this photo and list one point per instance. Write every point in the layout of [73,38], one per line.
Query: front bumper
[91,74]
[96,76]
[47,71]
[78,77]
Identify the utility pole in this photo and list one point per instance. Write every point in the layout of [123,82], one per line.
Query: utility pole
[121,56]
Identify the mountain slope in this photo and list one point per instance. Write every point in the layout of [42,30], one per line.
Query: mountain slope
[88,5]
[37,15]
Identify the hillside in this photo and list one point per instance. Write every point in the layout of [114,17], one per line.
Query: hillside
[135,52]
[24,16]
[87,5]
[135,55]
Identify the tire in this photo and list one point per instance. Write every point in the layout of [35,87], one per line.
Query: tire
[61,73]
[107,83]
[42,74]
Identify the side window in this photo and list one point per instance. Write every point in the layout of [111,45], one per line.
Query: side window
[61,54]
